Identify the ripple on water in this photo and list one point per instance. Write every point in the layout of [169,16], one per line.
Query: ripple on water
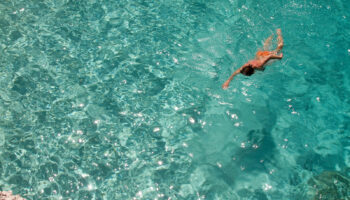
[122,100]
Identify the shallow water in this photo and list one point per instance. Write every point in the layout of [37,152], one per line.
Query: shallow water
[123,99]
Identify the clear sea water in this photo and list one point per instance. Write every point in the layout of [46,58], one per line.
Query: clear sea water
[104,99]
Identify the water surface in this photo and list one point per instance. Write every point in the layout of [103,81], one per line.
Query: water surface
[123,100]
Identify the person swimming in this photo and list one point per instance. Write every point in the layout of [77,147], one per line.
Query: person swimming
[261,58]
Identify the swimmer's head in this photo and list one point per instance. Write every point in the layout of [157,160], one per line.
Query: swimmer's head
[248,70]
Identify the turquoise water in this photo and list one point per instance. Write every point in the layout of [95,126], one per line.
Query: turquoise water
[123,100]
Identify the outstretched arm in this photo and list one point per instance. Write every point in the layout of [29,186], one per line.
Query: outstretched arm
[227,82]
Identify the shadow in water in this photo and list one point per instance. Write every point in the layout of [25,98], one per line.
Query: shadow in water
[228,155]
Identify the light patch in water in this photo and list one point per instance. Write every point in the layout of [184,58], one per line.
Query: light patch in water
[267,187]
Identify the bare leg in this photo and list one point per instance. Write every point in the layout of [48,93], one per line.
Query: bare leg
[267,43]
[279,41]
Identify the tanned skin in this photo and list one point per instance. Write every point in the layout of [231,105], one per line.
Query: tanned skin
[258,63]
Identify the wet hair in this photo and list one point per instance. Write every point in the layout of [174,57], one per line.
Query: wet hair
[248,70]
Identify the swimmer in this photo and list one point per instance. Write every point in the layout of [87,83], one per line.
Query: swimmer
[260,60]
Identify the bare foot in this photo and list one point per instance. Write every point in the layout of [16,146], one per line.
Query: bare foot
[279,32]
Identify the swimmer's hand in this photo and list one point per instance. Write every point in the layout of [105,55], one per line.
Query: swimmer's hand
[226,84]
